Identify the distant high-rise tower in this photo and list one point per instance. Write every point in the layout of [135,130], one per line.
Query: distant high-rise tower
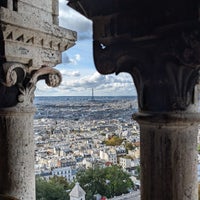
[92,94]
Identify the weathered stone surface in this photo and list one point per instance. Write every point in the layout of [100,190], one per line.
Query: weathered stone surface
[31,45]
[38,13]
[30,22]
[165,69]
[37,8]
[169,156]
[158,43]
[17,177]
[31,35]
[24,81]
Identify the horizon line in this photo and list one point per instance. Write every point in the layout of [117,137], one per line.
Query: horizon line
[86,96]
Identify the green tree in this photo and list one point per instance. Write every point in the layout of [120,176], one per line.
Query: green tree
[138,171]
[129,146]
[110,181]
[60,180]
[92,181]
[118,181]
[54,189]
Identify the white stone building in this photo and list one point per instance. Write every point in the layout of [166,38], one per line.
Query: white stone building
[110,156]
[125,162]
[77,193]
[64,172]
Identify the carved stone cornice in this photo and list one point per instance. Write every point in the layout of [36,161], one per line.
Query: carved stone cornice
[20,82]
[158,45]
[31,40]
[165,67]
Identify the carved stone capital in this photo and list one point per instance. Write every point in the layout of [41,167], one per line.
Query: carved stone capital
[165,66]
[19,83]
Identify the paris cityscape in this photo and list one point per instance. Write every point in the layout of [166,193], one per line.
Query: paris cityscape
[70,135]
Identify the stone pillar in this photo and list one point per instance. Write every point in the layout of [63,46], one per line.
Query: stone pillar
[168,117]
[168,156]
[17,177]
[160,48]
[27,47]
[165,70]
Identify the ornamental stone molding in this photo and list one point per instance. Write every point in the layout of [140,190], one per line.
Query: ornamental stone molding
[31,45]
[157,45]
[165,67]
[24,81]
[31,41]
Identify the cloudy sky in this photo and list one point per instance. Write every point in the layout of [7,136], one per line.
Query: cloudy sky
[77,67]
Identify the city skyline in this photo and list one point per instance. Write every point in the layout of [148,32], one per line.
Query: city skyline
[77,67]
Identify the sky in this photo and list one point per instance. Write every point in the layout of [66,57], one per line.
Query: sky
[77,67]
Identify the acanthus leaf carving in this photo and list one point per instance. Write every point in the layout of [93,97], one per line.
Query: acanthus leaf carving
[186,48]
[165,69]
[183,79]
[52,76]
[26,95]
[25,80]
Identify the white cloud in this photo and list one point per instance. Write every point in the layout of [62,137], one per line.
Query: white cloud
[71,19]
[78,57]
[110,84]
[77,66]
[65,72]
[72,59]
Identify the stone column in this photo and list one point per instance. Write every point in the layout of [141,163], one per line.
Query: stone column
[27,46]
[168,156]
[17,178]
[168,116]
[165,70]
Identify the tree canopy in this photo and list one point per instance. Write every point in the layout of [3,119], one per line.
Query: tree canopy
[129,146]
[111,181]
[52,189]
[114,141]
